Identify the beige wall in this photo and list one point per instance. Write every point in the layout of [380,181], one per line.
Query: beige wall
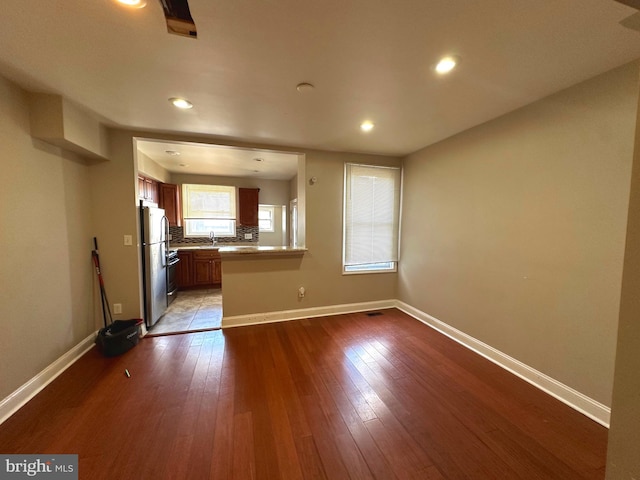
[149,168]
[114,209]
[57,121]
[278,237]
[47,279]
[271,285]
[271,191]
[513,231]
[249,286]
[623,459]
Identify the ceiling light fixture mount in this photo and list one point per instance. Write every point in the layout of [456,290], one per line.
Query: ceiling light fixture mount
[181,103]
[304,87]
[446,64]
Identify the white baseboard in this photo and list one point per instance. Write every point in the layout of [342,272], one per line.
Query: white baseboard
[576,400]
[286,315]
[26,392]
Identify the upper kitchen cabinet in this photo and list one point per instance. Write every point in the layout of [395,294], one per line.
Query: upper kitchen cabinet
[148,189]
[248,211]
[170,201]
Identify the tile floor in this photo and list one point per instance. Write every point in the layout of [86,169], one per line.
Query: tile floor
[193,310]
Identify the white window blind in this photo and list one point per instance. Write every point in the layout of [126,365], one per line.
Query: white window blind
[208,202]
[371,217]
[209,208]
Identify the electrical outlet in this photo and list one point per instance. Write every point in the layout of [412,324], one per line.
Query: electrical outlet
[128,240]
[248,236]
[117,308]
[301,292]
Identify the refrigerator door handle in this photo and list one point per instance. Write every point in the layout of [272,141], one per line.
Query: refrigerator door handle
[164,238]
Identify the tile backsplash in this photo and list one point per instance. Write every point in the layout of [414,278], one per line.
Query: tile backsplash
[177,236]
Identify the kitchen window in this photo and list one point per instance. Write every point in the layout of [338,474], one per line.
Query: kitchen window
[371,218]
[209,208]
[266,218]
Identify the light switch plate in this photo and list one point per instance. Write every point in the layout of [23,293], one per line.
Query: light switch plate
[128,240]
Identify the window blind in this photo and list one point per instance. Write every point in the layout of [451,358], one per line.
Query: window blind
[209,201]
[371,217]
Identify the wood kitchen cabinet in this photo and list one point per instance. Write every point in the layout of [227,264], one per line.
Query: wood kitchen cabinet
[199,269]
[148,189]
[206,267]
[170,200]
[184,270]
[248,206]
[141,187]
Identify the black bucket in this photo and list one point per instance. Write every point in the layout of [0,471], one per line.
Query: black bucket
[119,337]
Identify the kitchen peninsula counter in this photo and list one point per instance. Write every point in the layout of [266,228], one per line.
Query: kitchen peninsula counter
[243,250]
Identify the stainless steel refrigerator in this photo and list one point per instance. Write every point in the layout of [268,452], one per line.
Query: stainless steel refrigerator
[154,244]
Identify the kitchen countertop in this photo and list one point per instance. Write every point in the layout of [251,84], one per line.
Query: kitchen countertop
[242,249]
[195,246]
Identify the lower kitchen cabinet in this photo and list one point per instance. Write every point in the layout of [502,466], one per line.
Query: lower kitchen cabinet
[184,271]
[201,268]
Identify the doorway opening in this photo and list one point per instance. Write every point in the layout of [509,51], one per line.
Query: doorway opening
[192,311]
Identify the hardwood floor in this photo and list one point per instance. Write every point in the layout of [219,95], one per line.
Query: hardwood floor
[349,396]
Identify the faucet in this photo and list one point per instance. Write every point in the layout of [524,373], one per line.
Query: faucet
[212,237]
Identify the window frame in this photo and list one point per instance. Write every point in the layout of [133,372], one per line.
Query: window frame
[189,216]
[390,266]
[271,209]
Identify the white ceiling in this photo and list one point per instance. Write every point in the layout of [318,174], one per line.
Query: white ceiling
[369,60]
[200,159]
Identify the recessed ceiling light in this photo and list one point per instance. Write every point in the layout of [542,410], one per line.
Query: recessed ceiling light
[366,126]
[173,153]
[181,103]
[133,3]
[446,64]
[304,87]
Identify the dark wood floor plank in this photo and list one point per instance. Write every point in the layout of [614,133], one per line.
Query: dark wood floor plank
[323,438]
[403,422]
[346,396]
[275,400]
[198,416]
[285,363]
[222,454]
[310,459]
[244,463]
[500,409]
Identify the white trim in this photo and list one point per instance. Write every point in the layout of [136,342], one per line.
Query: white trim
[17,399]
[576,400]
[286,315]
